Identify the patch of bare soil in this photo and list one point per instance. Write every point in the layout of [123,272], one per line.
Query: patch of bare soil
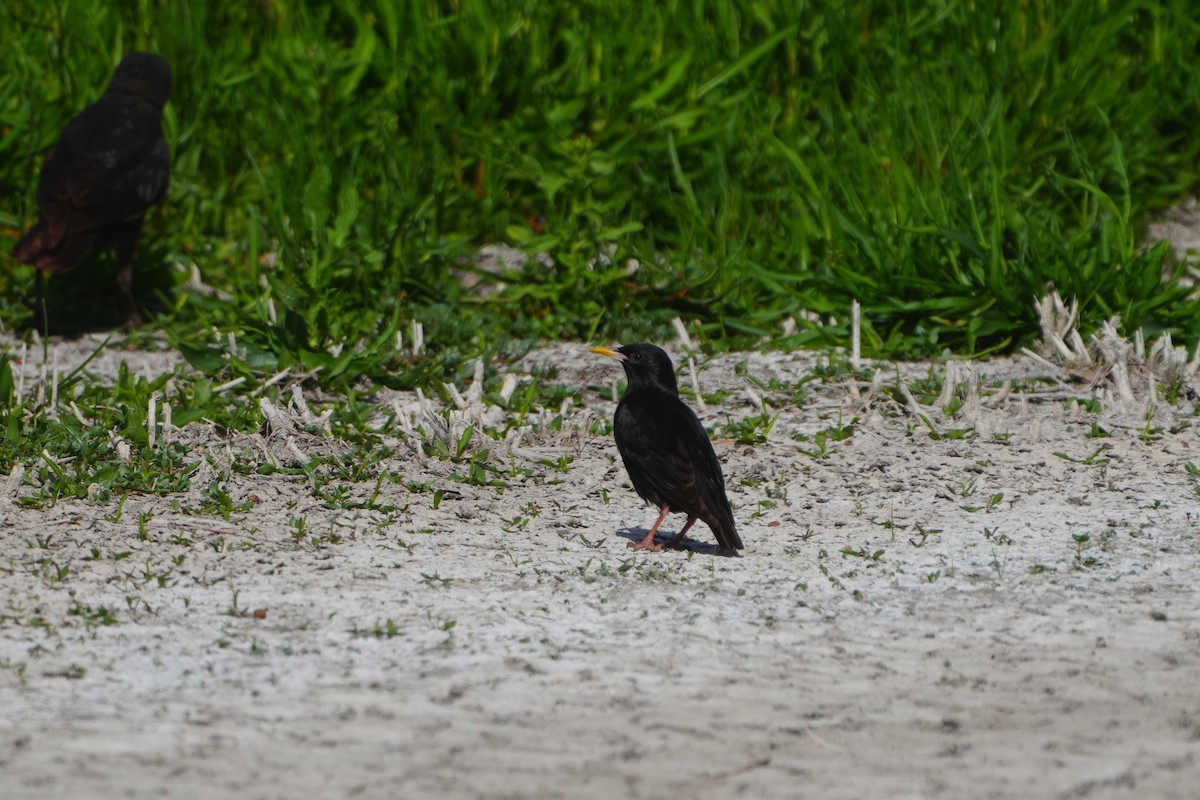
[971,596]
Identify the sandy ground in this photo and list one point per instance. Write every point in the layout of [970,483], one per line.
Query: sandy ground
[991,605]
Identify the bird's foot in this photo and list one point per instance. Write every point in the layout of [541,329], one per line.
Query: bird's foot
[134,320]
[646,544]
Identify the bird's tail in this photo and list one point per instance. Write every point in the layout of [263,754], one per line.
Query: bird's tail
[724,528]
[50,250]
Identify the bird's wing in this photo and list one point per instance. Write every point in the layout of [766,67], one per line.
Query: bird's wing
[671,461]
[109,165]
[150,175]
[710,481]
[658,466]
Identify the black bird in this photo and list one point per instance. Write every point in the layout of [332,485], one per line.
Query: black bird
[107,168]
[665,448]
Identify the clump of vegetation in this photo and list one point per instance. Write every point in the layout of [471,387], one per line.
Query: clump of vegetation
[335,165]
[336,169]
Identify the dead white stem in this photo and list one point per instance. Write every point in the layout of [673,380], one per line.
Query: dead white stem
[475,390]
[276,422]
[1078,347]
[970,409]
[418,337]
[166,423]
[681,334]
[855,334]
[510,386]
[274,379]
[1000,396]
[14,478]
[54,389]
[404,420]
[299,403]
[151,418]
[915,408]
[43,382]
[1120,375]
[696,384]
[460,402]
[949,384]
[1060,346]
[1025,351]
[20,393]
[296,452]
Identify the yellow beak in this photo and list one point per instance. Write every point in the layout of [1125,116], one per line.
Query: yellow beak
[608,351]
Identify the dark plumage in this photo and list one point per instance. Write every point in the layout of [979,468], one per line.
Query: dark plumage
[109,166]
[665,448]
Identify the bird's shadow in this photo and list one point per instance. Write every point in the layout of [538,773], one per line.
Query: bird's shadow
[687,544]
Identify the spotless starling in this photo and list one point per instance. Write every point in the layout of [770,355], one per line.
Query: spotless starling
[107,168]
[665,448]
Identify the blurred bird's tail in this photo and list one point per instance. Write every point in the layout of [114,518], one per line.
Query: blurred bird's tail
[725,529]
[52,251]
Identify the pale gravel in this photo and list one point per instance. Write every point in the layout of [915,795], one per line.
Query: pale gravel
[553,662]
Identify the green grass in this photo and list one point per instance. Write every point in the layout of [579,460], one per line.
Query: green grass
[941,162]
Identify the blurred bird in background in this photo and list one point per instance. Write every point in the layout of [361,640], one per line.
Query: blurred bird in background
[108,167]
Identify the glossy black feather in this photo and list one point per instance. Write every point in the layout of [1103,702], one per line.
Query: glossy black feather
[665,448]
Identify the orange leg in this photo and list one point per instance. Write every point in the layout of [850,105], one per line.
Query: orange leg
[679,536]
[648,542]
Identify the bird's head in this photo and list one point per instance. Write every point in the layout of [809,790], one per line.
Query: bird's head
[647,366]
[143,75]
